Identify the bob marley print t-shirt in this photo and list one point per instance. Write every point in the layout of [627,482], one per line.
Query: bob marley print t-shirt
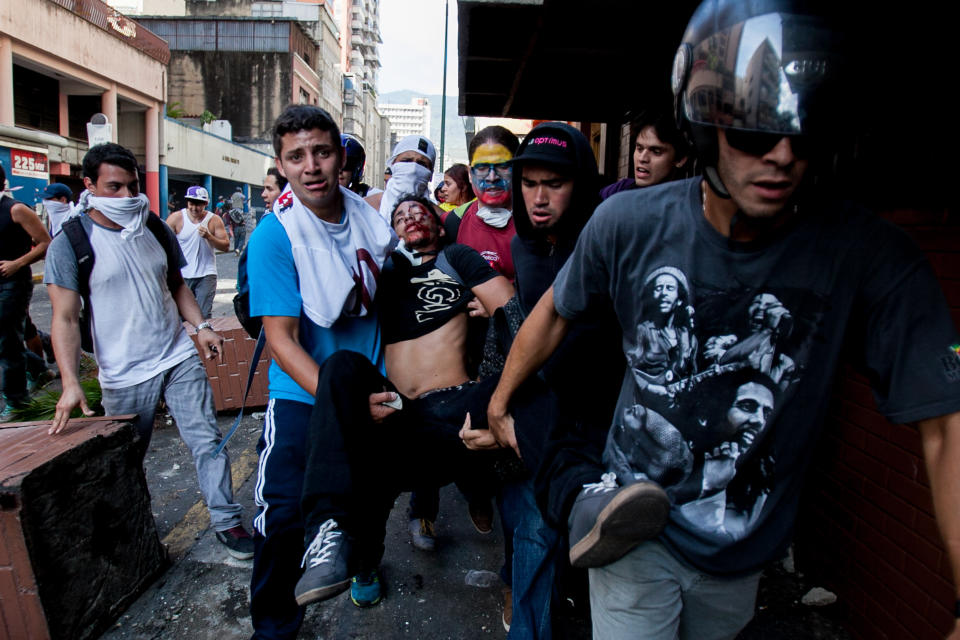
[731,349]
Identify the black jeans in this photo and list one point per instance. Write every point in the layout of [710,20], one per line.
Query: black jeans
[356,467]
[14,302]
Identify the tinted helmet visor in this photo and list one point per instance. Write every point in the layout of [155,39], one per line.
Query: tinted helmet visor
[773,73]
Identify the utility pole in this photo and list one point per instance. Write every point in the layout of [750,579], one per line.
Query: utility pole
[443,104]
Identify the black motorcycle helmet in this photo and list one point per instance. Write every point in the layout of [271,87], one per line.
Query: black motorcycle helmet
[764,66]
[356,157]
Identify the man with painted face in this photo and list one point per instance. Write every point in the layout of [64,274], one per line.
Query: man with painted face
[487,223]
[360,457]
[142,354]
[752,226]
[659,152]
[199,232]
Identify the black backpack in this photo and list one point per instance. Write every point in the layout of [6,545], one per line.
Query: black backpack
[241,301]
[80,241]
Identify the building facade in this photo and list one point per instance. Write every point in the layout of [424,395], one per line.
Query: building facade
[90,60]
[408,119]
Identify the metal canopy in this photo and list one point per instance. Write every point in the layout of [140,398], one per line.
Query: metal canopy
[584,60]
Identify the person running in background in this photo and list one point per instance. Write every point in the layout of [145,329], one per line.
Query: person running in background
[199,232]
[238,219]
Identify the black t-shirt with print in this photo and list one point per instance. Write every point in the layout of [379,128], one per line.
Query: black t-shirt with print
[415,300]
[731,350]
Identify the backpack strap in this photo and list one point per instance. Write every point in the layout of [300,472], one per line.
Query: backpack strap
[254,361]
[162,233]
[443,263]
[80,242]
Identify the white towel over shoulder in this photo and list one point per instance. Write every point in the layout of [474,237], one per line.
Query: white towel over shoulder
[338,265]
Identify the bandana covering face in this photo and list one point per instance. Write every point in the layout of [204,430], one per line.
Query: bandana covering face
[496,217]
[408,177]
[129,213]
[56,208]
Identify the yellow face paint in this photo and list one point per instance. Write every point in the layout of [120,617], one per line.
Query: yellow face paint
[492,153]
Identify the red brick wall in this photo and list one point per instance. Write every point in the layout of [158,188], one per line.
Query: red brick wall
[867,527]
[21,614]
[228,375]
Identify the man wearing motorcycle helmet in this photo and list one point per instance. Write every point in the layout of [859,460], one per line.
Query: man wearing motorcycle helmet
[351,175]
[758,85]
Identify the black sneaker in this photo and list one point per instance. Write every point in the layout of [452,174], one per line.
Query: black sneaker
[325,561]
[608,521]
[238,542]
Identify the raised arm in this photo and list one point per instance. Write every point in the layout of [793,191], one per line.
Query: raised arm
[941,448]
[65,337]
[537,339]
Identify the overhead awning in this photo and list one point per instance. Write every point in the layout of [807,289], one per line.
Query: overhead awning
[585,60]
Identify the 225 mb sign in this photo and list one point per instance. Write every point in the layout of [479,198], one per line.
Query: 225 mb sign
[28,164]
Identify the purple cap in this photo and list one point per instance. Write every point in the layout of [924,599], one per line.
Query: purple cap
[197,193]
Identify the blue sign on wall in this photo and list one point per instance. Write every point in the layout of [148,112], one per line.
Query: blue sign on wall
[28,171]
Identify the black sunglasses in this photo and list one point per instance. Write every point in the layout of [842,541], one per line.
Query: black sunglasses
[758,143]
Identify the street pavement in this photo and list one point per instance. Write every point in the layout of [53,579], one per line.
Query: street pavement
[204,594]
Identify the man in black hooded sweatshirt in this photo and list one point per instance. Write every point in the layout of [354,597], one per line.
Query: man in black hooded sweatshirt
[562,416]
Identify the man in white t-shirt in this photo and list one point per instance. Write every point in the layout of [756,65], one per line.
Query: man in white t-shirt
[199,232]
[139,340]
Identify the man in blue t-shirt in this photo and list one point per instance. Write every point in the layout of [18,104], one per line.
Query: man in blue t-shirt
[319,231]
[737,294]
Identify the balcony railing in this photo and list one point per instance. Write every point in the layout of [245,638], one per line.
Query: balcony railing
[119,26]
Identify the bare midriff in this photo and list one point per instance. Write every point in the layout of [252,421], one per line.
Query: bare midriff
[432,361]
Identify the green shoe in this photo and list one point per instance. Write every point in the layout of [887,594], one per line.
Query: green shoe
[365,589]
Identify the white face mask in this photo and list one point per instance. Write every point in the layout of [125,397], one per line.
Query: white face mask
[496,217]
[129,213]
[56,208]
[408,177]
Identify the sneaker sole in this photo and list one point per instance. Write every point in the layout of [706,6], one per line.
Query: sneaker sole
[366,604]
[240,555]
[323,593]
[637,513]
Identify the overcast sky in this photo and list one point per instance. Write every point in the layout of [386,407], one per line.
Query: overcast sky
[412,49]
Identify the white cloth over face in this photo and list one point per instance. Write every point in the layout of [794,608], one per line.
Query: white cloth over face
[408,177]
[129,213]
[338,264]
[496,217]
[57,212]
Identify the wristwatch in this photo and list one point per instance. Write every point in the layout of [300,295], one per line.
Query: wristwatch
[204,325]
